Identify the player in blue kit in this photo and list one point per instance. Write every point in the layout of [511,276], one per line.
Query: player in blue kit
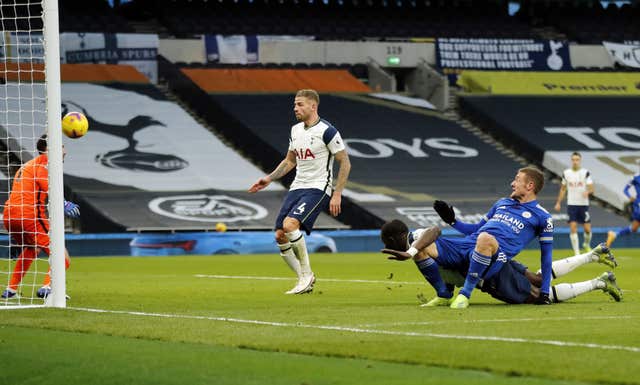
[635,211]
[506,229]
[513,284]
[313,145]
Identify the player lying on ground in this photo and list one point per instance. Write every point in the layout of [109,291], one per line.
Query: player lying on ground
[505,230]
[513,283]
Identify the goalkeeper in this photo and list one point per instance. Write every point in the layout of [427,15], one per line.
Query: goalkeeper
[27,220]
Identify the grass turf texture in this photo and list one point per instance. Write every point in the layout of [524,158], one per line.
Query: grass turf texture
[194,330]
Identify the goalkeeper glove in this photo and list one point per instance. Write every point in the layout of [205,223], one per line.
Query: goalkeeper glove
[71,209]
[445,212]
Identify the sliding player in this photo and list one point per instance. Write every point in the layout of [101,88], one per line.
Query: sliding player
[507,228]
[513,284]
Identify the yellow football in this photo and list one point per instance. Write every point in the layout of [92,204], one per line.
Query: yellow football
[75,125]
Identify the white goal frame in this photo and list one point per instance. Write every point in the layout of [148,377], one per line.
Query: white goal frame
[54,135]
[52,87]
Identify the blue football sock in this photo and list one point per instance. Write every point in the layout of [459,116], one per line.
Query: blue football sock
[624,231]
[477,267]
[429,269]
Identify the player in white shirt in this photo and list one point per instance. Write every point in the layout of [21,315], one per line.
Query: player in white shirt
[313,145]
[577,183]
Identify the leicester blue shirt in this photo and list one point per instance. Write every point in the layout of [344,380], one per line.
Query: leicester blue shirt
[635,183]
[515,224]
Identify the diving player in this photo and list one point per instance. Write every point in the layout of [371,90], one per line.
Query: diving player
[506,229]
[513,284]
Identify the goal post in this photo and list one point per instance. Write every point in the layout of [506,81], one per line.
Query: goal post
[30,106]
[54,135]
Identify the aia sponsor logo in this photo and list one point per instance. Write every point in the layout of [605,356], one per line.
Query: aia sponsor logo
[304,154]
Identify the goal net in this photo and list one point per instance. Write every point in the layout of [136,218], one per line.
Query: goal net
[32,238]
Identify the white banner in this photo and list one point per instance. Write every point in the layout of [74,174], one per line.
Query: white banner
[21,47]
[610,170]
[414,102]
[624,54]
[503,54]
[134,140]
[138,50]
[238,49]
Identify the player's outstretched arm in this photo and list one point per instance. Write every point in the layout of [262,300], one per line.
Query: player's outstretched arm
[446,213]
[283,169]
[426,238]
[341,182]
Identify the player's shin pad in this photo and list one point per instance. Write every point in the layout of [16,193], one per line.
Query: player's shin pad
[300,249]
[286,251]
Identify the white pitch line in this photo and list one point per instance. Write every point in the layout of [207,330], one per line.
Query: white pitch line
[497,320]
[358,330]
[264,278]
[293,279]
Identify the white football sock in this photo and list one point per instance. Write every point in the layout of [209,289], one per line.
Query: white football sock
[300,249]
[587,239]
[286,251]
[566,265]
[565,291]
[574,243]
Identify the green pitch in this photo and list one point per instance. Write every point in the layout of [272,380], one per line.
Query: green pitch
[199,320]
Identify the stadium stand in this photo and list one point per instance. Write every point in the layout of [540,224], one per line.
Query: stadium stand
[548,130]
[75,16]
[342,20]
[348,20]
[576,20]
[243,140]
[147,164]
[90,16]
[388,178]
[274,80]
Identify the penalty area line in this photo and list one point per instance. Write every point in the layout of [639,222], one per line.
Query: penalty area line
[359,330]
[215,276]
